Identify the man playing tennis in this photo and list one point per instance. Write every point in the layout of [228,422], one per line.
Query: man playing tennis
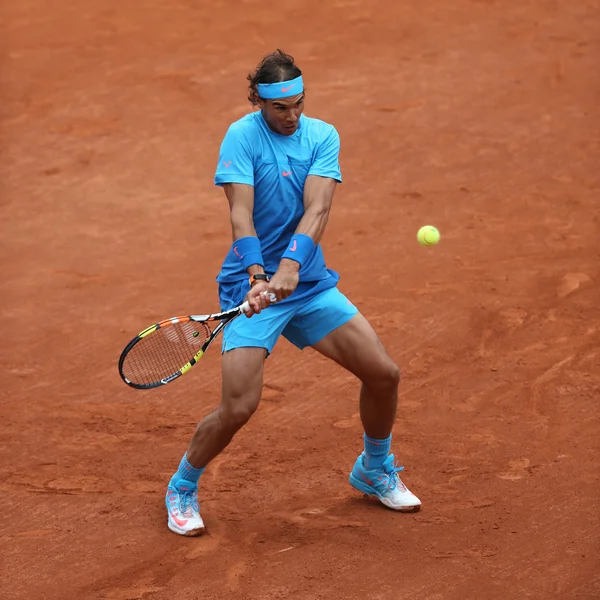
[279,170]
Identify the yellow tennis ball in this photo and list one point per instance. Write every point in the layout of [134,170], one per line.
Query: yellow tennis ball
[428,235]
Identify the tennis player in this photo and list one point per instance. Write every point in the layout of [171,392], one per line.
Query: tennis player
[279,170]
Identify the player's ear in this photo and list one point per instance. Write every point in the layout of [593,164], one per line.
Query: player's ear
[256,100]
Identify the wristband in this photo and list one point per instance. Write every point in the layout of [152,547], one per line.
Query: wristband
[300,248]
[247,249]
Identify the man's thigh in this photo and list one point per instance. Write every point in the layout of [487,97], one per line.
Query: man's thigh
[318,317]
[259,331]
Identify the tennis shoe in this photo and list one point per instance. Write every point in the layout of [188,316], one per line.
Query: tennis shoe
[384,483]
[183,508]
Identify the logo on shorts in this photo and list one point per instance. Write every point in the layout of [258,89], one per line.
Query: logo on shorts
[227,164]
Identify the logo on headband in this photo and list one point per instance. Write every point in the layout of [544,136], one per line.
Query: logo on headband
[282,89]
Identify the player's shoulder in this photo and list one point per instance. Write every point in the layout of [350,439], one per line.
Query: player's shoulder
[245,126]
[318,127]
[319,134]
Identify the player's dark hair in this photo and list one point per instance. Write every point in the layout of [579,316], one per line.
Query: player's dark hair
[273,68]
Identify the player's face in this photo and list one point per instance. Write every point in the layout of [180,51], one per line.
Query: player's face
[283,114]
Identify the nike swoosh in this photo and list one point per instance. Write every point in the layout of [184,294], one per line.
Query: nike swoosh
[287,89]
[236,251]
[293,248]
[180,522]
[286,173]
[227,164]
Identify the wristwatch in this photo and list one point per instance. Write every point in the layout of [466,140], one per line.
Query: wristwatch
[258,277]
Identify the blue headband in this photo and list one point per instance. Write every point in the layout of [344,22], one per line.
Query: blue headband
[283,89]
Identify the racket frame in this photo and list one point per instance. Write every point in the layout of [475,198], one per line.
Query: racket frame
[224,318]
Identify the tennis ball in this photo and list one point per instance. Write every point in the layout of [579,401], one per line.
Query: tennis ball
[428,235]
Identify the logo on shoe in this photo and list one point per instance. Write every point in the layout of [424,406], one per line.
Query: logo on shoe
[365,479]
[180,522]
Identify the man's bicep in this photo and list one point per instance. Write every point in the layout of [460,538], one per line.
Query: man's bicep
[240,196]
[319,191]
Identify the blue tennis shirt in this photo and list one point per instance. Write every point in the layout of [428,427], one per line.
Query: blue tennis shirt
[277,166]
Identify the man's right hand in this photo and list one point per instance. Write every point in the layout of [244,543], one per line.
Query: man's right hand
[258,298]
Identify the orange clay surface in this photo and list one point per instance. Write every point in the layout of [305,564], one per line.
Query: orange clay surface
[478,117]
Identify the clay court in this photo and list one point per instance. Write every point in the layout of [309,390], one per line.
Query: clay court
[479,117]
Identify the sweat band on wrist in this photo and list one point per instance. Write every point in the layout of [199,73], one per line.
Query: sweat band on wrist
[283,89]
[300,248]
[248,251]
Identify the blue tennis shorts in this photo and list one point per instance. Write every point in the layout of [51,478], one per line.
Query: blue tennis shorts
[303,322]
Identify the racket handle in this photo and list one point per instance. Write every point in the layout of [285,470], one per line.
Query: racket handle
[245,306]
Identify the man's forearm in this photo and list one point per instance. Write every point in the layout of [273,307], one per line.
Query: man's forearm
[314,222]
[313,225]
[242,226]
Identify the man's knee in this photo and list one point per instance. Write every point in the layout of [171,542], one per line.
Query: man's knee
[242,386]
[391,374]
[385,375]
[235,412]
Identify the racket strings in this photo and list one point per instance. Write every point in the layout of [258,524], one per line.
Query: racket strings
[164,351]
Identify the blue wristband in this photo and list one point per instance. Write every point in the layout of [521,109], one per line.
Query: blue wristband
[248,251]
[300,248]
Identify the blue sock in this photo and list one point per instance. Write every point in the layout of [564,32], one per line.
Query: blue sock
[376,451]
[187,472]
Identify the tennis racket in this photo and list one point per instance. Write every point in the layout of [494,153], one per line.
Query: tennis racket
[168,349]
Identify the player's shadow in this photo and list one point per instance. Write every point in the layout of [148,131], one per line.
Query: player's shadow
[359,502]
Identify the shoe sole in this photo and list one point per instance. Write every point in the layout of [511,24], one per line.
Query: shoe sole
[186,532]
[369,491]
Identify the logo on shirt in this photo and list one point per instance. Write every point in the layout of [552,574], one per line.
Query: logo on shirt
[227,164]
[286,173]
